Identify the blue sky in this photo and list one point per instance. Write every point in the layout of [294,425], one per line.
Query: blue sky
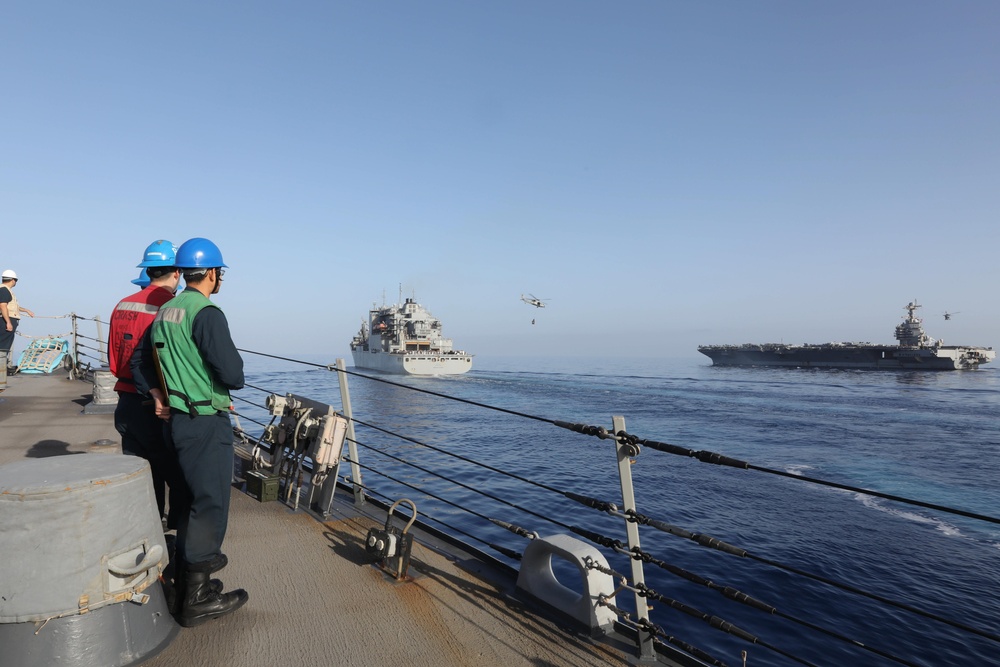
[666,173]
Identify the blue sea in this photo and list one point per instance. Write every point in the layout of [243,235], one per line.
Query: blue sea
[931,436]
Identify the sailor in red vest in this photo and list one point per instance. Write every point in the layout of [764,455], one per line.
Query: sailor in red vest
[135,416]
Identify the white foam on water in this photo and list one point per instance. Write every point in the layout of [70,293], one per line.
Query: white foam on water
[941,526]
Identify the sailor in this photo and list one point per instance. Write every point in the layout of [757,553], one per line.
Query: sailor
[135,416]
[10,310]
[199,363]
[142,280]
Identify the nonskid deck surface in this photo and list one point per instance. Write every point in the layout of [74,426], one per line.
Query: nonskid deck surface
[314,596]
[315,599]
[43,416]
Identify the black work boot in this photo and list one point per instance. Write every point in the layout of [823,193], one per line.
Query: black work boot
[202,603]
[173,589]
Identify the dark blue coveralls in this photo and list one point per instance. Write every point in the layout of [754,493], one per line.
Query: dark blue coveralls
[203,443]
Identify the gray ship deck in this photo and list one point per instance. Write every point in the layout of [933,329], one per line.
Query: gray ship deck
[314,597]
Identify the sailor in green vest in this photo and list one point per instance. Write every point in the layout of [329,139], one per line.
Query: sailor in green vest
[199,365]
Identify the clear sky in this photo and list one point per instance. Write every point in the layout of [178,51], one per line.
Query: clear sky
[666,173]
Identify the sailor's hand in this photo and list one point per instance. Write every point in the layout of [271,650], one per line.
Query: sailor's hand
[10,327]
[160,407]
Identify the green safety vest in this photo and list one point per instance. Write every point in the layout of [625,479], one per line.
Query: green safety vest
[191,387]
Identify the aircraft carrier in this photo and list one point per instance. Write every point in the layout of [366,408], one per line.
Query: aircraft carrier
[916,350]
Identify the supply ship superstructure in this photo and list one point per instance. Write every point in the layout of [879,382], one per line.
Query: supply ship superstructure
[406,339]
[916,350]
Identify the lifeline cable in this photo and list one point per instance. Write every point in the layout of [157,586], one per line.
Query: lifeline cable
[714,621]
[654,630]
[743,598]
[510,553]
[465,486]
[603,433]
[256,405]
[507,552]
[719,545]
[247,384]
[58,335]
[435,448]
[643,624]
[719,459]
[718,623]
[706,457]
[460,457]
[249,419]
[397,384]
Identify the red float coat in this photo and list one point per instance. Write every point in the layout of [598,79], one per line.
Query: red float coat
[129,322]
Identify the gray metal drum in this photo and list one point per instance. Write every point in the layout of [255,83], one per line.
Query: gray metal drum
[82,551]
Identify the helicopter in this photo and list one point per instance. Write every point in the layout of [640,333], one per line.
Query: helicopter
[948,315]
[533,300]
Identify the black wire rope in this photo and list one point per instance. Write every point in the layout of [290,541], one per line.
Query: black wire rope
[601,432]
[720,459]
[879,494]
[719,624]
[646,592]
[256,405]
[430,472]
[252,386]
[249,419]
[460,457]
[96,340]
[705,457]
[397,384]
[89,319]
[741,597]
[719,545]
[432,447]
[646,558]
[464,486]
[507,552]
[656,631]
[661,635]
[874,596]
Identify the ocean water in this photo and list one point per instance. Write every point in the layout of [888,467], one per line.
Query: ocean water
[934,437]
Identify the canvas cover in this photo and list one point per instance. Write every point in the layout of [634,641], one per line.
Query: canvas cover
[79,532]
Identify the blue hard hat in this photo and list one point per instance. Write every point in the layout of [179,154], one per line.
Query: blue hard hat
[198,253]
[142,280]
[158,253]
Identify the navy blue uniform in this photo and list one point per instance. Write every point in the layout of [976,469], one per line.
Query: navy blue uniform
[203,443]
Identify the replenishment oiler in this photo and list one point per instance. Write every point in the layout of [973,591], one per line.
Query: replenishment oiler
[407,340]
[916,350]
